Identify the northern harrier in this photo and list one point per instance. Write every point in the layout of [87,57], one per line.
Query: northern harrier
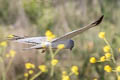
[64,39]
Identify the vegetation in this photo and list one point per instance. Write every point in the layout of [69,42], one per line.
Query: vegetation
[90,59]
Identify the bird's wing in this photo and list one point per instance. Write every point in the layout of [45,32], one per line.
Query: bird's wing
[76,32]
[31,40]
[38,46]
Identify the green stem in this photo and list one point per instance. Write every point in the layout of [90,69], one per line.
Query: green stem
[2,56]
[52,71]
[113,58]
[36,75]
[51,52]
[3,69]
[70,73]
[52,57]
[9,64]
[56,52]
[4,74]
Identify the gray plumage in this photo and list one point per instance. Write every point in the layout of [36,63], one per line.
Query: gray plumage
[37,42]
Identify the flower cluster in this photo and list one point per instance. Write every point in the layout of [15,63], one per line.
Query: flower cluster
[11,54]
[42,68]
[108,56]
[108,68]
[49,35]
[54,62]
[29,66]
[74,69]
[3,44]
[65,76]
[107,50]
[26,74]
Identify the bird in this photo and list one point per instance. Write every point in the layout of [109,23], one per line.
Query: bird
[66,39]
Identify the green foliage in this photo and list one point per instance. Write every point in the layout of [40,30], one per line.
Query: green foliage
[3,11]
[40,13]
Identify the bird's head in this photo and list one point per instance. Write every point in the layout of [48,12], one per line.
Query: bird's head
[71,44]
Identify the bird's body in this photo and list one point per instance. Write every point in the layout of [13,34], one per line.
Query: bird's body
[42,42]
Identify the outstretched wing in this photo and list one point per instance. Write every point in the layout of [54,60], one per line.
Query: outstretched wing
[38,46]
[31,40]
[76,32]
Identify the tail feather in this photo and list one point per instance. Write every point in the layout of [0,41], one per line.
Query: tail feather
[15,37]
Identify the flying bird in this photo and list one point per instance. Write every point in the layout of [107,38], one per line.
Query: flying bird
[37,42]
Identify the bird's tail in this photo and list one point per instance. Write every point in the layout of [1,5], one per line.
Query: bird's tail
[14,37]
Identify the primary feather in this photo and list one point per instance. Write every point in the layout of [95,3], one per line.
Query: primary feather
[78,31]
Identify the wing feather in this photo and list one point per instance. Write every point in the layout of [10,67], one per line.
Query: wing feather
[76,32]
[39,46]
[32,40]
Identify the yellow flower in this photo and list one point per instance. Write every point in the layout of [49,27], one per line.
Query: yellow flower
[10,36]
[107,68]
[26,75]
[74,69]
[7,55]
[61,46]
[92,60]
[107,55]
[53,36]
[95,79]
[30,71]
[54,62]
[118,49]
[43,68]
[118,68]
[101,35]
[12,53]
[49,38]
[3,43]
[48,33]
[102,59]
[118,78]
[32,66]
[106,48]
[65,77]
[29,66]
[64,73]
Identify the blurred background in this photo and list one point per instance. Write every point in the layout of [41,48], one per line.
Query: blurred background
[34,17]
